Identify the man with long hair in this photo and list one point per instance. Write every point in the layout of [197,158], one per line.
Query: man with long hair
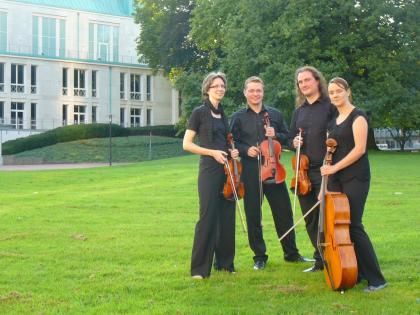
[311,116]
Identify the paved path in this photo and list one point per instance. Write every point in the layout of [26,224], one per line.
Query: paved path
[38,167]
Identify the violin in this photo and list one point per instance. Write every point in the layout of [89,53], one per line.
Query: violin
[301,178]
[271,169]
[233,176]
[334,243]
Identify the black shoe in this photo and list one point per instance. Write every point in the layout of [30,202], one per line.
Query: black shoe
[299,259]
[314,268]
[259,265]
[373,288]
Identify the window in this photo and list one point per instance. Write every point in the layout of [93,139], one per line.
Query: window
[149,116]
[122,117]
[1,77]
[3,31]
[135,117]
[103,42]
[94,83]
[1,112]
[33,115]
[65,115]
[79,114]
[17,110]
[122,86]
[148,88]
[94,114]
[79,82]
[33,79]
[135,93]
[48,36]
[17,74]
[65,78]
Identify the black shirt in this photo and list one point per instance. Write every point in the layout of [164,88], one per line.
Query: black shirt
[313,119]
[248,129]
[219,135]
[343,134]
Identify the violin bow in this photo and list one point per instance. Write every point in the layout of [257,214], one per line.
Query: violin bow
[260,182]
[297,172]
[235,194]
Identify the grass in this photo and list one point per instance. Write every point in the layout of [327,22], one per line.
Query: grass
[118,241]
[124,149]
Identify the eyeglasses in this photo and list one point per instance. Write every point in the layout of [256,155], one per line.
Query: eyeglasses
[222,86]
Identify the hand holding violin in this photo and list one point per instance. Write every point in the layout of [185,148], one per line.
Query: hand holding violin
[219,156]
[253,151]
[234,153]
[298,139]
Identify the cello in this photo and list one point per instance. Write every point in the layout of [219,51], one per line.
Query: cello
[272,172]
[334,243]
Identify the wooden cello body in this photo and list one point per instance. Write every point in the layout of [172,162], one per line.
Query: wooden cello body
[334,243]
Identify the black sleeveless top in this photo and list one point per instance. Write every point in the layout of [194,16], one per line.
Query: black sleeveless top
[343,134]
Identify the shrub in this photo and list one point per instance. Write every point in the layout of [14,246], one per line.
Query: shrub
[161,130]
[62,134]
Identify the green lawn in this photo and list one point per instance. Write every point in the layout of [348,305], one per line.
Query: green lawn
[117,240]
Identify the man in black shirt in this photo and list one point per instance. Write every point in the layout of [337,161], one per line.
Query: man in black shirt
[312,114]
[249,131]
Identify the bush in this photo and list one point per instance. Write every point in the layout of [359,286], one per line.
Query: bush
[62,134]
[161,130]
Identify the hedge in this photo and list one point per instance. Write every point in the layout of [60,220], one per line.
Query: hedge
[161,130]
[62,134]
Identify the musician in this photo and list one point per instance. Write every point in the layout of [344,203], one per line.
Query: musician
[215,229]
[312,114]
[350,174]
[248,129]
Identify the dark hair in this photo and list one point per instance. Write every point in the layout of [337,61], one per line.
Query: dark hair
[343,84]
[322,88]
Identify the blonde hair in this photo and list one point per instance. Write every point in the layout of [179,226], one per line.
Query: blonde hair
[322,87]
[208,80]
[253,79]
[343,84]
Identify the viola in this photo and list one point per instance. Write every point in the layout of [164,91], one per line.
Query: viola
[334,243]
[271,169]
[233,176]
[301,178]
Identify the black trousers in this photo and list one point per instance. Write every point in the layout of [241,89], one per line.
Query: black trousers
[367,263]
[278,198]
[306,203]
[215,230]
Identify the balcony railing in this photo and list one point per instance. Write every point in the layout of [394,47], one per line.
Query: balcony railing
[33,89]
[17,88]
[65,91]
[79,92]
[94,93]
[135,95]
[1,87]
[82,54]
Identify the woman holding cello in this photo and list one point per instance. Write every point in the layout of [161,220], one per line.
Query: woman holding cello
[350,174]
[215,230]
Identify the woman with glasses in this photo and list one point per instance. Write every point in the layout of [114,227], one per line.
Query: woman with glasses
[215,230]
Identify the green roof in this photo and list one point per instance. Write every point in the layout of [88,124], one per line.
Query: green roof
[110,7]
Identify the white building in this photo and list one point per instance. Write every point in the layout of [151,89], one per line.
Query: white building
[74,61]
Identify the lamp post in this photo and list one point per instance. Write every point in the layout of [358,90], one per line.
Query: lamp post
[110,116]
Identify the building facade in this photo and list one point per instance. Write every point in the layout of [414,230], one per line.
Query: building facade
[74,61]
